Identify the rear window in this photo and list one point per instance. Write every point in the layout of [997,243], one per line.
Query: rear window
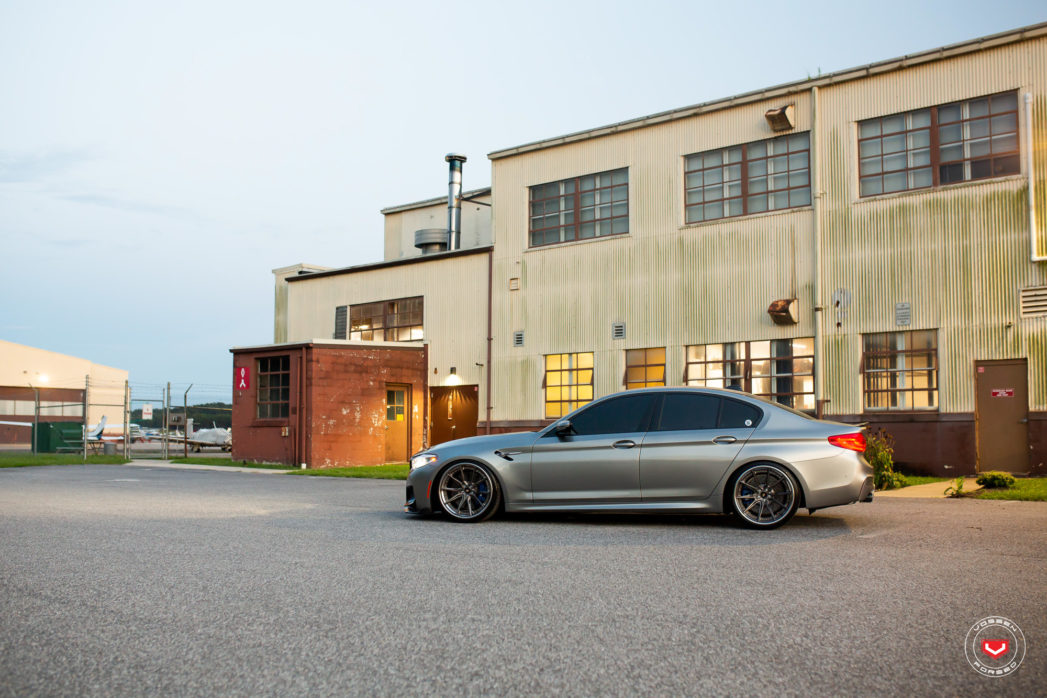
[739,415]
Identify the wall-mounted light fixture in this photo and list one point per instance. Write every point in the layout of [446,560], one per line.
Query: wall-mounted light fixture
[780,119]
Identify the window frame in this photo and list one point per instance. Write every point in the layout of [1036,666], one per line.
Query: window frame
[746,178]
[934,127]
[571,188]
[743,377]
[390,315]
[575,372]
[868,375]
[264,383]
[647,365]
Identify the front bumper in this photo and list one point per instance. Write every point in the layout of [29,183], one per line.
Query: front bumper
[419,489]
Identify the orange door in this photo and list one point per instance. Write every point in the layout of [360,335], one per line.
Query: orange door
[397,423]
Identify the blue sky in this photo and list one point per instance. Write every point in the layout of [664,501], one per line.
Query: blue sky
[158,160]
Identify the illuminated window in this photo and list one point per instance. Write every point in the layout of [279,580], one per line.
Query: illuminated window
[568,382]
[900,370]
[397,320]
[274,387]
[395,403]
[579,208]
[644,368]
[957,142]
[779,369]
[762,176]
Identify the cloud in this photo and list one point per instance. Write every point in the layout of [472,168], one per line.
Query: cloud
[127,205]
[38,166]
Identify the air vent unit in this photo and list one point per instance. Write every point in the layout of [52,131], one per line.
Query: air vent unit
[1034,301]
[339,322]
[518,338]
[618,330]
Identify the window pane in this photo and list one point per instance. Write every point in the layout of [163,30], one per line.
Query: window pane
[621,415]
[689,411]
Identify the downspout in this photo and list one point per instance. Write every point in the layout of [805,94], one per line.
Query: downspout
[490,294]
[1034,233]
[816,191]
[302,401]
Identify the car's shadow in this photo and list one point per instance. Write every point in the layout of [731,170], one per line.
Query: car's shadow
[622,529]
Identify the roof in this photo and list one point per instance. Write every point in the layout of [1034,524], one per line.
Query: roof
[337,343]
[835,78]
[420,259]
[432,202]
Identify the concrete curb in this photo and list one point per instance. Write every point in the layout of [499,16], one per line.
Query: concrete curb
[217,468]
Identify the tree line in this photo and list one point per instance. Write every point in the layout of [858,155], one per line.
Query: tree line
[204,415]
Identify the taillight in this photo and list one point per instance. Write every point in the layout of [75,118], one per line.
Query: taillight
[852,442]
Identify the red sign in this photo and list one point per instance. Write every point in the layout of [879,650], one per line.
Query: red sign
[994,648]
[243,378]
[1003,392]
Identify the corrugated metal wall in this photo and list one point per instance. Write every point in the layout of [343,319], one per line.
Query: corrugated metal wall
[455,308]
[958,254]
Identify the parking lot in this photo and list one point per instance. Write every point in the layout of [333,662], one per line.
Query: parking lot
[124,580]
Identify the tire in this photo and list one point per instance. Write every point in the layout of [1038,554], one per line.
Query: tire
[764,495]
[468,492]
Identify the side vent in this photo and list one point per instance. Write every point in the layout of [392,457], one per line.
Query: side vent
[1034,301]
[340,314]
[518,338]
[618,330]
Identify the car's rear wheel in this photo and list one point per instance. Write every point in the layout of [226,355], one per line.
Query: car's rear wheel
[468,492]
[764,495]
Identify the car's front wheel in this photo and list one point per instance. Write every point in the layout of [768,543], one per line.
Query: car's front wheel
[468,492]
[764,495]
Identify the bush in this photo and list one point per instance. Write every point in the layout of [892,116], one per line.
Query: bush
[994,479]
[879,451]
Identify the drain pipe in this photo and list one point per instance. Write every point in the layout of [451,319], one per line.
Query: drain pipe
[1034,232]
[816,193]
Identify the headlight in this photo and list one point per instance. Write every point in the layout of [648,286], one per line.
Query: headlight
[422,459]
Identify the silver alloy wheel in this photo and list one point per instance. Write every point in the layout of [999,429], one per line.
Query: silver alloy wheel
[468,492]
[764,495]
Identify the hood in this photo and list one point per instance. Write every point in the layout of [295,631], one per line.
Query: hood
[487,442]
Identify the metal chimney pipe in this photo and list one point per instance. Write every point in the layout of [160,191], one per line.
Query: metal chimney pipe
[454,201]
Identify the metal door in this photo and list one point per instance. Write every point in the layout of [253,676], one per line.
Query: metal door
[397,423]
[453,412]
[1002,415]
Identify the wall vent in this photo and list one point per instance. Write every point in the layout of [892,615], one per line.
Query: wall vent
[902,314]
[617,330]
[340,314]
[514,283]
[518,338]
[1034,301]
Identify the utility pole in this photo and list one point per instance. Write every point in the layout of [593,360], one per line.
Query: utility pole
[36,415]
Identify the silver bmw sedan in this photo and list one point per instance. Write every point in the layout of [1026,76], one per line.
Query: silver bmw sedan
[657,450]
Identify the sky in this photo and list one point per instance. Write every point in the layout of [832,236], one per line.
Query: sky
[159,159]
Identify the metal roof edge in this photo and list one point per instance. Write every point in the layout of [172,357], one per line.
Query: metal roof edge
[321,342]
[434,201]
[393,263]
[846,75]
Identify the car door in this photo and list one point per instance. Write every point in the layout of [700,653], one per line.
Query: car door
[599,461]
[692,443]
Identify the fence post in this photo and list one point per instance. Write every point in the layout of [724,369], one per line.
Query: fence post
[87,403]
[127,420]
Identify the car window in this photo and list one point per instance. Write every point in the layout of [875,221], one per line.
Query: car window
[620,415]
[688,411]
[739,415]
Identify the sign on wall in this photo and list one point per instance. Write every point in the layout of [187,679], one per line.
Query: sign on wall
[242,379]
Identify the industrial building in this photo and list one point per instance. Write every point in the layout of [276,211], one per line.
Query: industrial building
[867,245]
[43,386]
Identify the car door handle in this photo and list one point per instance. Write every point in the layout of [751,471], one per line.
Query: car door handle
[724,440]
[624,443]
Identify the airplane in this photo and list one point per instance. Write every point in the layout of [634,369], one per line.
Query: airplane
[200,438]
[94,433]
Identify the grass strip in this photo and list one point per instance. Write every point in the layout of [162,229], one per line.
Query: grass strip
[393,471]
[229,463]
[22,460]
[1026,489]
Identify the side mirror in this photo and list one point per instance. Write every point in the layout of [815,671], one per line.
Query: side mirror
[563,428]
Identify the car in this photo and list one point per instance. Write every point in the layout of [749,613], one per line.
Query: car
[654,450]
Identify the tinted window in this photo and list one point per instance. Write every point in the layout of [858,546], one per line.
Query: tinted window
[688,411]
[739,415]
[621,415]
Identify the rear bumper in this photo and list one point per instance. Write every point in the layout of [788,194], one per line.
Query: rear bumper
[843,479]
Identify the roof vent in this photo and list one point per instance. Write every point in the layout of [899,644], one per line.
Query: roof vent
[431,240]
[518,338]
[1034,301]
[618,330]
[780,119]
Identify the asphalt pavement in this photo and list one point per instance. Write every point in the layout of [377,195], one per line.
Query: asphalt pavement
[160,581]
